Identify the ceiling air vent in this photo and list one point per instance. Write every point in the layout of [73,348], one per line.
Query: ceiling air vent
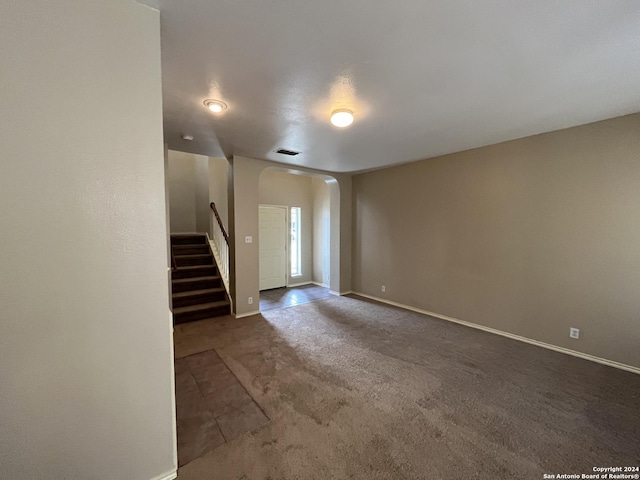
[284,151]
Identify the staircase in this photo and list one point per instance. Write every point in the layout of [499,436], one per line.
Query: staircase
[196,286]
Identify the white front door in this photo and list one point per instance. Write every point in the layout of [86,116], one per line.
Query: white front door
[273,256]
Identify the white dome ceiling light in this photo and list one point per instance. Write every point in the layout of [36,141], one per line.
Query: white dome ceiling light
[216,106]
[342,118]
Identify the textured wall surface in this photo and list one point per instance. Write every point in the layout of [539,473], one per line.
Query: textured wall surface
[321,231]
[86,362]
[219,187]
[530,237]
[188,182]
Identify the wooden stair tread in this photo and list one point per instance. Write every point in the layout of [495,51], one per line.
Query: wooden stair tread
[196,283]
[195,279]
[186,247]
[201,306]
[198,292]
[188,240]
[193,267]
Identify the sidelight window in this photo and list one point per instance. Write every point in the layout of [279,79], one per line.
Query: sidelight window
[296,230]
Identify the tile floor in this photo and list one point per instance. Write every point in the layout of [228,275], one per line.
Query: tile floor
[212,406]
[288,297]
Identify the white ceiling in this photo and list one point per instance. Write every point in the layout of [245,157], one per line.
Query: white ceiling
[424,78]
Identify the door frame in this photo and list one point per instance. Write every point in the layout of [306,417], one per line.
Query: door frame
[287,238]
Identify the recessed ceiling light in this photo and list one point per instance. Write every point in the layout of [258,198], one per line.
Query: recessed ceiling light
[216,106]
[188,138]
[342,118]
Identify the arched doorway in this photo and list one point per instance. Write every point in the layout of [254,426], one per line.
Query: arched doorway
[244,212]
[295,230]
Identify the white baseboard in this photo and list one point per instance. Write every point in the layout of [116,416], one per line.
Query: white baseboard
[249,314]
[548,346]
[320,284]
[298,284]
[170,475]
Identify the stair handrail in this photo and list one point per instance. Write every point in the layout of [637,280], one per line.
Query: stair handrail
[215,212]
[219,242]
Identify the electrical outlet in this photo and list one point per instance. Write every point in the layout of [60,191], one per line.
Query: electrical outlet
[384,289]
[250,301]
[248,239]
[574,332]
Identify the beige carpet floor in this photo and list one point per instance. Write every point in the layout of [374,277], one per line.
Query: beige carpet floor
[360,390]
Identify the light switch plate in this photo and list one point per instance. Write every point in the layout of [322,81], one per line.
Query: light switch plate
[248,239]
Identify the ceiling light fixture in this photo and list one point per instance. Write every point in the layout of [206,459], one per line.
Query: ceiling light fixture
[216,106]
[342,118]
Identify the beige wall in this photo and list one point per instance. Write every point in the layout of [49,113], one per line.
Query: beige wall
[245,200]
[219,187]
[321,231]
[530,237]
[201,196]
[188,192]
[86,360]
[286,189]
